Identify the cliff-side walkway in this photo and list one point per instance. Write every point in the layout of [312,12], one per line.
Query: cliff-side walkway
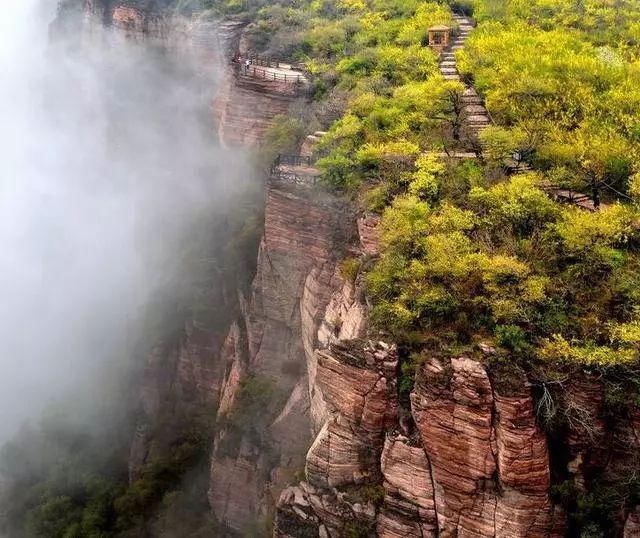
[475,116]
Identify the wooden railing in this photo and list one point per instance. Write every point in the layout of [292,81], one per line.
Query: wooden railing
[257,72]
[289,160]
[262,61]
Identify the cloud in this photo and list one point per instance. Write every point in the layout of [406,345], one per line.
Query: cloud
[108,161]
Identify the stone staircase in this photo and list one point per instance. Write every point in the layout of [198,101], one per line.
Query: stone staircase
[475,115]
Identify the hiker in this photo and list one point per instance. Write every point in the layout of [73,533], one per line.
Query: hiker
[247,63]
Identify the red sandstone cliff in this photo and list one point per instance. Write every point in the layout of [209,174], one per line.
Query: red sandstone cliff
[464,459]
[475,463]
[478,465]
[304,231]
[468,457]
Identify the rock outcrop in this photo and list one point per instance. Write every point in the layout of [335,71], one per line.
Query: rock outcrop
[489,459]
[408,509]
[308,511]
[358,382]
[477,463]
[244,112]
[140,20]
[368,228]
[332,311]
[304,234]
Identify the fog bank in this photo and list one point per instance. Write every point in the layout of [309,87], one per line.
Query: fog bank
[108,163]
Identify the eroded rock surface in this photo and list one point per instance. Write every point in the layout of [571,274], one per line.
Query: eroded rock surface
[358,381]
[408,509]
[477,463]
[452,407]
[306,511]
[489,458]
[302,237]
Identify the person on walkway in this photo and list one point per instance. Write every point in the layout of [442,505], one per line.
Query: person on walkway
[247,63]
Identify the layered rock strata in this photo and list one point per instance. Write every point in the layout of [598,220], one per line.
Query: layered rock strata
[476,464]
[357,380]
[303,236]
[246,108]
[408,509]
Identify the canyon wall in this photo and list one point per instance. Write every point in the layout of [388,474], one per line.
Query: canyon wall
[467,458]
[463,456]
[305,233]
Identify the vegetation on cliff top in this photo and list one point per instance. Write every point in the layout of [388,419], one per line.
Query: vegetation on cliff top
[469,251]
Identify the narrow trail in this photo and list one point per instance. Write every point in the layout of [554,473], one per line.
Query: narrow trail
[475,116]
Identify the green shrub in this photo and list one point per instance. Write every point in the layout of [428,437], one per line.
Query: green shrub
[349,269]
[512,337]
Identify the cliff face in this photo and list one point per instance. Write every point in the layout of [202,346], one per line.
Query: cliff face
[136,19]
[489,459]
[244,112]
[464,457]
[469,459]
[303,235]
[475,465]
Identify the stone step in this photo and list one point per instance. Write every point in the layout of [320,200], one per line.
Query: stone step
[477,120]
[479,117]
[448,56]
[471,101]
[448,63]
[448,70]
[451,77]
[457,47]
[470,92]
[475,109]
